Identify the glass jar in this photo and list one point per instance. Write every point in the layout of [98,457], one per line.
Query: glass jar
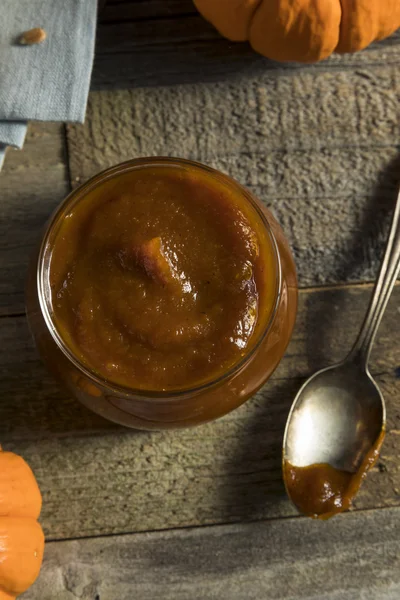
[161,410]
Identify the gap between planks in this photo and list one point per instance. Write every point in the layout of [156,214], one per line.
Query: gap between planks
[211,526]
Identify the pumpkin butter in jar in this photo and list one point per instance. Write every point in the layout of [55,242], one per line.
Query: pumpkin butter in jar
[165,294]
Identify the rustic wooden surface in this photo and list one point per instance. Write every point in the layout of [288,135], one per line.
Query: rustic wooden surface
[319,145]
[161,42]
[354,557]
[32,183]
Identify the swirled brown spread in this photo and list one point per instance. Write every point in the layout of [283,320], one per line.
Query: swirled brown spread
[162,278]
[320,491]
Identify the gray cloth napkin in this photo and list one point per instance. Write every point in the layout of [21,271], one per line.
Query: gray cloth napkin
[48,81]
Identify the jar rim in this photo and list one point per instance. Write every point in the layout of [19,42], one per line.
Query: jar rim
[79,193]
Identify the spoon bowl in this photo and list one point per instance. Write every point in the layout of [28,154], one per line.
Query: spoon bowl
[336,418]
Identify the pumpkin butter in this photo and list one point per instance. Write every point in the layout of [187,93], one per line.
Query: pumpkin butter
[321,491]
[162,278]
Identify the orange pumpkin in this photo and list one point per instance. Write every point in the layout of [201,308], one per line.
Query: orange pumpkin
[21,537]
[303,30]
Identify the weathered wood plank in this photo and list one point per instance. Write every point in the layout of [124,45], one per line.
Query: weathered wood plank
[98,478]
[212,61]
[353,556]
[321,149]
[124,36]
[32,183]
[163,43]
[132,10]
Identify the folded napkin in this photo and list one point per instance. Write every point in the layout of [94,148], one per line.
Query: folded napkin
[47,81]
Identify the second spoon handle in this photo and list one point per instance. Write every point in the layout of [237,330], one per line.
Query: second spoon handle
[388,273]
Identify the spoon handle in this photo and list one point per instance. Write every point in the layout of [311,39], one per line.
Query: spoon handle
[388,273]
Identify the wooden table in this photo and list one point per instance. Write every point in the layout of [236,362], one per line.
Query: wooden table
[202,513]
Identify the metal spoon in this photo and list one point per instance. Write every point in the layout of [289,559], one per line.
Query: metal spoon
[339,413]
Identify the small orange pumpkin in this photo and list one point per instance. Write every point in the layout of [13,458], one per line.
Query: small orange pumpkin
[303,30]
[21,537]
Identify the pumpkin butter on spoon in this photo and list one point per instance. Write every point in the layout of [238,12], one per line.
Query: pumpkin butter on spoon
[161,279]
[321,491]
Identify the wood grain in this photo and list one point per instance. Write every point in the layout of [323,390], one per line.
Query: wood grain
[164,43]
[97,478]
[352,557]
[132,10]
[320,149]
[32,183]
